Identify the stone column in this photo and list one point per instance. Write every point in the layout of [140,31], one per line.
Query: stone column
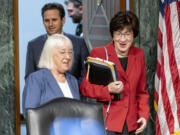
[147,12]
[7,98]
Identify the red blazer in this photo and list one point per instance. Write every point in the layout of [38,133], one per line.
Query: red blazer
[135,100]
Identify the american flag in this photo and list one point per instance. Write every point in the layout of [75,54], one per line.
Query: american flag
[167,78]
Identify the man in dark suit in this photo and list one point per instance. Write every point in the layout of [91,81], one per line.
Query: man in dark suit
[53,15]
[75,11]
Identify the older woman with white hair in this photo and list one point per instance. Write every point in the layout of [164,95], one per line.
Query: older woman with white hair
[52,80]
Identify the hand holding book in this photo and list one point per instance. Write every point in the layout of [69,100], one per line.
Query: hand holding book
[115,87]
[103,72]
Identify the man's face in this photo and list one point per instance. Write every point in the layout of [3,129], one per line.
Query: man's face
[52,21]
[74,13]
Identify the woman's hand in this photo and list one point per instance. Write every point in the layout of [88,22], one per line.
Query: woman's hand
[142,121]
[115,87]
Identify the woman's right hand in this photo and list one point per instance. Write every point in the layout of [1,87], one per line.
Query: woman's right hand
[115,87]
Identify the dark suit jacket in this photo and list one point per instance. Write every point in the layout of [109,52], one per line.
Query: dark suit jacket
[134,102]
[80,53]
[41,87]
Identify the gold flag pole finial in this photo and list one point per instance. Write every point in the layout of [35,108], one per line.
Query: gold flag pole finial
[99,2]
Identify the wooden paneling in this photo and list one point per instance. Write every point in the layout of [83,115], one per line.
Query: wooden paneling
[16,62]
[122,5]
[131,3]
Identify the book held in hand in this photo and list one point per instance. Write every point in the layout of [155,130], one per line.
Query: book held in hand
[101,72]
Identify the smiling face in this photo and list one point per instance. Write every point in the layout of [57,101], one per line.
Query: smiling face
[123,39]
[52,21]
[62,58]
[74,13]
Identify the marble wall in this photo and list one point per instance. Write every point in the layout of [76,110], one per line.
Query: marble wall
[147,12]
[7,98]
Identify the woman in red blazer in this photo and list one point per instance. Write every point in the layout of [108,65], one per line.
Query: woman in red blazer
[129,114]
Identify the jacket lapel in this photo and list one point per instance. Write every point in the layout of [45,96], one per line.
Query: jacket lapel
[54,85]
[43,40]
[71,85]
[114,58]
[131,62]
[56,88]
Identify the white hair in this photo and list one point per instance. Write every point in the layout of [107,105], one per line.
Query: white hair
[54,41]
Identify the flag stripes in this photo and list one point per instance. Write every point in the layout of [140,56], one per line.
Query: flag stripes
[167,80]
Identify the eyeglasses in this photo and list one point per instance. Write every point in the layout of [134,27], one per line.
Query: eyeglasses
[125,35]
[66,52]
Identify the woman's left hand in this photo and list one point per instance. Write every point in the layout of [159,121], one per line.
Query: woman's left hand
[142,122]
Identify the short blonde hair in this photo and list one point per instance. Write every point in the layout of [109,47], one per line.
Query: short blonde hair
[54,41]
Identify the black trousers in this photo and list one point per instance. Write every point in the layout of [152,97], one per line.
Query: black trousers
[124,132]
